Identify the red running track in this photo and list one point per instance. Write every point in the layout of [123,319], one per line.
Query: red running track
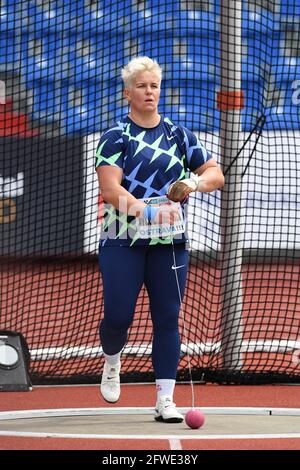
[59,305]
[144,395]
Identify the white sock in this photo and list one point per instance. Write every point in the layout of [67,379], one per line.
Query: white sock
[112,360]
[165,387]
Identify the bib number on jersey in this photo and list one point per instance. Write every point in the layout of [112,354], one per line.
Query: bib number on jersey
[154,230]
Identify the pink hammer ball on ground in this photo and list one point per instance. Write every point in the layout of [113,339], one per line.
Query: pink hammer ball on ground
[194,419]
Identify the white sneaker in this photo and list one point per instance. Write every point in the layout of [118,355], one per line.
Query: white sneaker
[165,411]
[110,382]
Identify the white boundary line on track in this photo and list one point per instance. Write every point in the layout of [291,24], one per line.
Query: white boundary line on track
[132,384]
[198,349]
[175,444]
[166,437]
[70,412]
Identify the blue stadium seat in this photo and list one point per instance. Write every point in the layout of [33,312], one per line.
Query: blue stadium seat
[190,19]
[82,61]
[118,106]
[285,111]
[79,110]
[160,6]
[290,9]
[287,118]
[254,103]
[257,55]
[93,57]
[277,100]
[106,16]
[263,20]
[90,107]
[46,98]
[79,121]
[10,17]
[191,103]
[57,15]
[10,52]
[286,58]
[43,57]
[132,47]
[153,15]
[286,68]
[272,99]
[201,103]
[159,47]
[254,94]
[185,58]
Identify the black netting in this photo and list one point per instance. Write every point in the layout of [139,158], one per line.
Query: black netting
[60,88]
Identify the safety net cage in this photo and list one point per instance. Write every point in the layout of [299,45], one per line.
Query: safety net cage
[231,74]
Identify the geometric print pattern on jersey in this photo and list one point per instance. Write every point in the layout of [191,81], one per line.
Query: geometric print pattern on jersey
[151,159]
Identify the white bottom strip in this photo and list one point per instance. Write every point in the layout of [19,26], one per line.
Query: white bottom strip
[70,412]
[147,437]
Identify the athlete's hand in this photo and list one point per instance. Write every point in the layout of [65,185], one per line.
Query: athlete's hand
[167,214]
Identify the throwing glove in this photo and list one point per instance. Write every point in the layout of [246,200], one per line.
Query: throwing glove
[180,190]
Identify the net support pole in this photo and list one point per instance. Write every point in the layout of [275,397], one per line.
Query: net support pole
[230,103]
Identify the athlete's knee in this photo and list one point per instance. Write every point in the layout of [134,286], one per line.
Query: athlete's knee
[166,321]
[116,322]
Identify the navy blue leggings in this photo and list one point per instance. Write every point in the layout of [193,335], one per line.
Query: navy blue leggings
[124,271]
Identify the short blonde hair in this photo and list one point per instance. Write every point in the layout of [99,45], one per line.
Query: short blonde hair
[138,65]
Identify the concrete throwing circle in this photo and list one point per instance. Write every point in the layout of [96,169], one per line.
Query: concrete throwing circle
[138,423]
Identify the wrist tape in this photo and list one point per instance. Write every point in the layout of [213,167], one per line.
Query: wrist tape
[195,182]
